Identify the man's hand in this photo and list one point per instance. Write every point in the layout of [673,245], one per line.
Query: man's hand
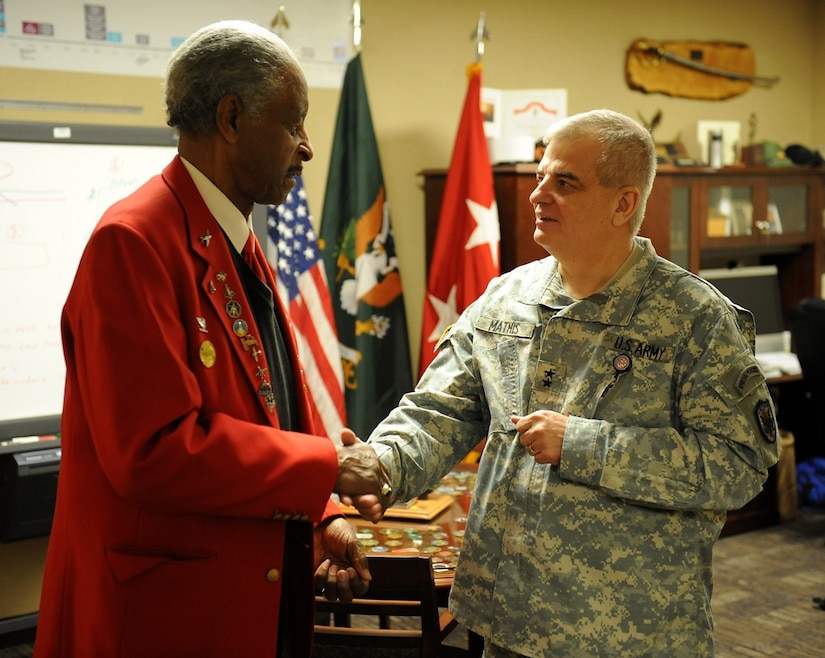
[542,433]
[341,567]
[362,482]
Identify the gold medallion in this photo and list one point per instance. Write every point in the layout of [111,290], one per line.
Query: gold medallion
[206,352]
[233,309]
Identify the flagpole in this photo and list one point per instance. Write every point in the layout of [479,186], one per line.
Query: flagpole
[466,248]
[357,22]
[480,35]
[360,260]
[280,22]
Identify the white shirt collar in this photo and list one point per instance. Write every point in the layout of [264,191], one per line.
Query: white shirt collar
[231,220]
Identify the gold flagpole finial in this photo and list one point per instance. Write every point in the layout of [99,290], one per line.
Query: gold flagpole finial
[280,22]
[357,22]
[480,35]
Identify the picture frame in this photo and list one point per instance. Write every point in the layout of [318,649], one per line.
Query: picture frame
[741,220]
[673,153]
[773,219]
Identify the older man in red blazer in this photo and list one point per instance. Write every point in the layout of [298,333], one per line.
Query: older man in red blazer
[194,494]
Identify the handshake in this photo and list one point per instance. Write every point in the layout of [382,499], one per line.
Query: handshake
[362,481]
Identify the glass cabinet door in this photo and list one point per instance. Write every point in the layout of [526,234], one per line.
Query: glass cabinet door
[730,211]
[759,209]
[787,210]
[680,226]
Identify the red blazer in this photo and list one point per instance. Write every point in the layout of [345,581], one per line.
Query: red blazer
[175,480]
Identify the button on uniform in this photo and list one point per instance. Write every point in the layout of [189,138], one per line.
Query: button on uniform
[273,575]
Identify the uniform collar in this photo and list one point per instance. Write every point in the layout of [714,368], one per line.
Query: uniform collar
[613,304]
[231,220]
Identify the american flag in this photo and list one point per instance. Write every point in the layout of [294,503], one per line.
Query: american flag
[292,250]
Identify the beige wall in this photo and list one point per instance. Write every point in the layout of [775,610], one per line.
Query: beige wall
[818,77]
[415,55]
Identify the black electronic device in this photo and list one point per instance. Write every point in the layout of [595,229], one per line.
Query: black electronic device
[28,489]
[756,288]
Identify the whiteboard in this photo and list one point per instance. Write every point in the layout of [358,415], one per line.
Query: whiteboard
[51,197]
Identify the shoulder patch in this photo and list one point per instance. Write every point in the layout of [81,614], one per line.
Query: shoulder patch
[742,377]
[747,378]
[766,421]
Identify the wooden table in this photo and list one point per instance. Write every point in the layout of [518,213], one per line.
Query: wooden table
[440,538]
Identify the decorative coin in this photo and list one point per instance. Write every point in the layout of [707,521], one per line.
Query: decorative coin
[206,352]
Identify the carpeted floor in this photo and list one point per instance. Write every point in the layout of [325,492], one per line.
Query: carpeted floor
[765,583]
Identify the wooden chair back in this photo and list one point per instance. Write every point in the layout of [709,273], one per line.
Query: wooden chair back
[402,586]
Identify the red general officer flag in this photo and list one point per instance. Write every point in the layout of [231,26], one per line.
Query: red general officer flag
[292,250]
[466,248]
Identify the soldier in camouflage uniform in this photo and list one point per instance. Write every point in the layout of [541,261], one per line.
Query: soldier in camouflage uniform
[624,413]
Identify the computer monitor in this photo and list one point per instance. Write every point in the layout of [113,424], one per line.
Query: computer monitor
[757,289]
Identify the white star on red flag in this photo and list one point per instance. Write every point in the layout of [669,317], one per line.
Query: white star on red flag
[447,314]
[466,248]
[487,231]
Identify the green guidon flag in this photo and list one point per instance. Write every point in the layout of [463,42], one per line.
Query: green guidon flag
[361,265]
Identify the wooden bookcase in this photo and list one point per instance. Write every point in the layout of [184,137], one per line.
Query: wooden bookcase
[706,218]
[684,219]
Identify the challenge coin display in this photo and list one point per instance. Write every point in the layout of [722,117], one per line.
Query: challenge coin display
[437,541]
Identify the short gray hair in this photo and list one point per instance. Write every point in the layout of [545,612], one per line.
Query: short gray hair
[628,153]
[228,57]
